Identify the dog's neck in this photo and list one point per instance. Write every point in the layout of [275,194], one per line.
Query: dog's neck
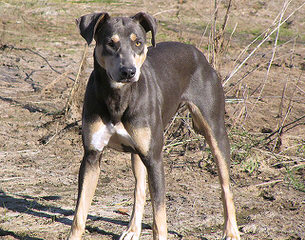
[115,99]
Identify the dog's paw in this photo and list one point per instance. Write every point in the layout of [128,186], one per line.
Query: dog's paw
[231,231]
[128,235]
[232,236]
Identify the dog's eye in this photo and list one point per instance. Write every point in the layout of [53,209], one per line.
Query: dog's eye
[138,43]
[111,44]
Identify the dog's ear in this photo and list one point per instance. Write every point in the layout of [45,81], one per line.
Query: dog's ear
[149,23]
[88,24]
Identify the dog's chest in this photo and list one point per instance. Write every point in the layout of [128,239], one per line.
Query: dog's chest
[120,138]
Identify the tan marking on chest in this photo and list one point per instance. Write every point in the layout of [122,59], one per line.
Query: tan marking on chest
[141,137]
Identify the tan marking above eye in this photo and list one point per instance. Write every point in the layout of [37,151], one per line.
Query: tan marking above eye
[115,38]
[133,37]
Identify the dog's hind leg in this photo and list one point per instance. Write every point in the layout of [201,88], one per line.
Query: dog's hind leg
[210,123]
[134,227]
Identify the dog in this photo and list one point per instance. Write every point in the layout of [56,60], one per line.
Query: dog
[131,95]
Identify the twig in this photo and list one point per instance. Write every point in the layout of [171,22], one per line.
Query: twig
[289,107]
[171,123]
[224,24]
[236,69]
[165,11]
[181,142]
[280,114]
[58,132]
[278,156]
[202,35]
[51,84]
[299,165]
[74,87]
[276,131]
[225,49]
[36,53]
[260,63]
[288,124]
[217,37]
[54,135]
[288,162]
[268,183]
[286,4]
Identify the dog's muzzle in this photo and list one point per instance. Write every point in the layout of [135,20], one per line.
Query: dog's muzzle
[127,74]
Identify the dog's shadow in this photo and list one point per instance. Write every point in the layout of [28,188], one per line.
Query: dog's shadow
[30,205]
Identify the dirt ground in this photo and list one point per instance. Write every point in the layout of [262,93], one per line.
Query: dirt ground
[40,151]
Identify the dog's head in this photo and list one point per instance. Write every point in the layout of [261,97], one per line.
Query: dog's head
[120,43]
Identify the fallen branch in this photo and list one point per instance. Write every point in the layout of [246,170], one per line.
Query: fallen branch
[36,53]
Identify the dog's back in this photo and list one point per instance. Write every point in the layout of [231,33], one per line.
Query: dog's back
[182,74]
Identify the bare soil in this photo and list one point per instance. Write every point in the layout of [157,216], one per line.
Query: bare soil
[40,150]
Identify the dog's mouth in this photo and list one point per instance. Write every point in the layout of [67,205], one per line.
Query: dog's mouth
[123,80]
[127,80]
[119,81]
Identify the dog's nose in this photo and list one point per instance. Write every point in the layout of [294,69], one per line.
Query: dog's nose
[127,72]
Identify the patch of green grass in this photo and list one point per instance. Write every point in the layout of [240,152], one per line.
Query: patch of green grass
[285,34]
[301,148]
[95,1]
[242,143]
[294,178]
[250,165]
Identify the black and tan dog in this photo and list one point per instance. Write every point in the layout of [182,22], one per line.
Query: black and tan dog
[131,95]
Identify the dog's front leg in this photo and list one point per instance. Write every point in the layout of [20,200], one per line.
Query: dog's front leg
[134,227]
[156,182]
[96,136]
[87,182]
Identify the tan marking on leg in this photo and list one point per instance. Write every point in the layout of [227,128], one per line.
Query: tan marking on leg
[115,38]
[230,225]
[160,225]
[134,227]
[159,220]
[141,136]
[133,37]
[89,185]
